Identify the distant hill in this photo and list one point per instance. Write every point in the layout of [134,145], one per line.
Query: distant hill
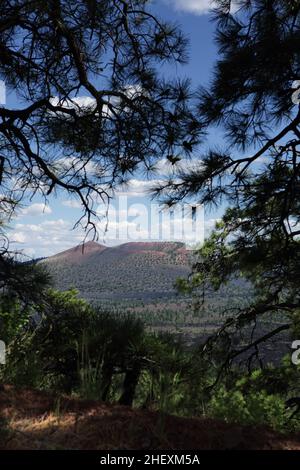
[79,253]
[132,271]
[140,277]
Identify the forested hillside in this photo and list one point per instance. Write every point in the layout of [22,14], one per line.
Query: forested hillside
[132,271]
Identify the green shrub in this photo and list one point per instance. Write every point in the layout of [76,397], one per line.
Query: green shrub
[255,408]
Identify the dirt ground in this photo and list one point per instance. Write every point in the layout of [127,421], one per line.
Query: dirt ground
[36,420]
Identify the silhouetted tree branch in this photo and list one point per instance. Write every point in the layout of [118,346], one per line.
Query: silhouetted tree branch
[96,107]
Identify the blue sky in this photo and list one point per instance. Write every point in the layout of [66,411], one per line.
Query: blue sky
[41,230]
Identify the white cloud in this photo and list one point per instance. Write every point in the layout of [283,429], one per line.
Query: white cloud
[72,203]
[35,210]
[137,188]
[77,165]
[30,252]
[46,238]
[18,237]
[211,223]
[192,6]
[83,104]
[165,168]
[123,224]
[147,222]
[79,103]
[198,7]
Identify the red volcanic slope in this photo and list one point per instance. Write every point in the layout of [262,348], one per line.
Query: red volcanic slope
[143,247]
[88,250]
[80,252]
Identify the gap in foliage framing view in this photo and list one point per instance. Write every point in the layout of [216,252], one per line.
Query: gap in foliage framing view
[149,228]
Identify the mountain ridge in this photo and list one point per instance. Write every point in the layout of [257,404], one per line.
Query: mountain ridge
[91,247]
[78,251]
[134,270]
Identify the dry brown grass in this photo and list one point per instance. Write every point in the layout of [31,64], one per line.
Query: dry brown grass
[36,420]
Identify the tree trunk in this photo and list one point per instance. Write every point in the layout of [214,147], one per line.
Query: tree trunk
[106,379]
[129,385]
